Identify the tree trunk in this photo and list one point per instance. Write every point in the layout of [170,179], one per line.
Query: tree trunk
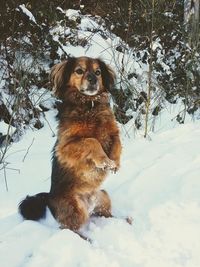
[191,21]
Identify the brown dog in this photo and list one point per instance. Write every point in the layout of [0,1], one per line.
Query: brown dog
[88,145]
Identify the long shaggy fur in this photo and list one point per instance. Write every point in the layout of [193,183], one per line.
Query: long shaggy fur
[34,207]
[87,146]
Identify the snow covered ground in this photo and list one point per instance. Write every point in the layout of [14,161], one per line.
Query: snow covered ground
[158,185]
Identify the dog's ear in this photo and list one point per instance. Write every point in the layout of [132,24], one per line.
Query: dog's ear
[60,75]
[108,75]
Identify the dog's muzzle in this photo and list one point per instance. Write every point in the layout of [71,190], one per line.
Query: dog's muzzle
[92,79]
[90,86]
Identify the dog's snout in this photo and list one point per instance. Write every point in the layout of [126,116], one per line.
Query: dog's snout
[91,77]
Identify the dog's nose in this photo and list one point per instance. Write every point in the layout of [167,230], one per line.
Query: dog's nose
[91,77]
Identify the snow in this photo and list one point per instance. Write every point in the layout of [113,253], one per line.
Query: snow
[156,44]
[27,13]
[158,185]
[72,14]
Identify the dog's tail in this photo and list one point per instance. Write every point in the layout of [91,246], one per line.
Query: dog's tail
[34,207]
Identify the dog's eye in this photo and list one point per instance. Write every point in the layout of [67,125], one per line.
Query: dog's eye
[79,71]
[97,72]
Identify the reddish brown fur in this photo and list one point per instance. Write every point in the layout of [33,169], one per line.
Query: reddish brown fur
[88,143]
[88,139]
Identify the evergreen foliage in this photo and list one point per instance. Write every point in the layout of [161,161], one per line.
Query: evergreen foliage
[153,34]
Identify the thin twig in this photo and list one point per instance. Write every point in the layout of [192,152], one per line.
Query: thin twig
[53,133]
[28,149]
[148,101]
[5,178]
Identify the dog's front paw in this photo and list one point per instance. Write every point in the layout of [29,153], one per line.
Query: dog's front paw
[117,166]
[106,164]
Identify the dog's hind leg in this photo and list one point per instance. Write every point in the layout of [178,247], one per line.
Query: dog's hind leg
[103,204]
[103,207]
[70,212]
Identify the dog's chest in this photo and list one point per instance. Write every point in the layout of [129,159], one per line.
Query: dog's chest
[98,124]
[99,127]
[102,132]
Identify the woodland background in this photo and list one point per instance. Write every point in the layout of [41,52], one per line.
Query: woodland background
[162,36]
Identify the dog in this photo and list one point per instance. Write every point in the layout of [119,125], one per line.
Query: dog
[88,145]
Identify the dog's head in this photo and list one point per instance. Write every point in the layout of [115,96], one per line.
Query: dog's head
[87,76]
